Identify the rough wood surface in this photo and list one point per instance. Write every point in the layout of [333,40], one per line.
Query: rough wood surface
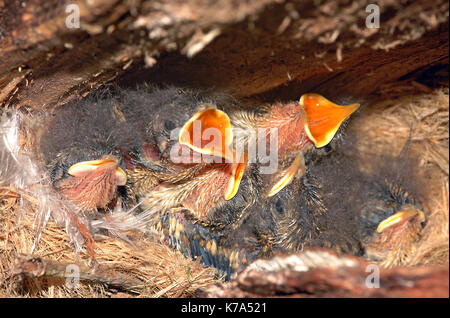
[321,273]
[244,48]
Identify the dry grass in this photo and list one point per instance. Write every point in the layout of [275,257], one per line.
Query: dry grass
[418,113]
[147,269]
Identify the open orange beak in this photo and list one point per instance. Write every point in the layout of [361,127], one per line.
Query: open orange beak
[208,132]
[84,168]
[323,118]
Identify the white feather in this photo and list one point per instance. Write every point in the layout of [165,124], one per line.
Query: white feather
[21,171]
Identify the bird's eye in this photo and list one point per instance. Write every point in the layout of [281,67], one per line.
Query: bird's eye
[327,148]
[169,125]
[278,206]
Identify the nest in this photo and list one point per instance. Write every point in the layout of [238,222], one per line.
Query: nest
[261,50]
[145,268]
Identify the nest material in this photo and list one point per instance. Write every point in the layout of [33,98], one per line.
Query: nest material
[144,268]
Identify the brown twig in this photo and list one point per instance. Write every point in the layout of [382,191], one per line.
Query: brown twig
[34,266]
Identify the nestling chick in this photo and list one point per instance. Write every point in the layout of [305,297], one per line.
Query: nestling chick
[210,154]
[83,146]
[88,145]
[335,204]
[163,173]
[125,148]
[215,217]
[393,242]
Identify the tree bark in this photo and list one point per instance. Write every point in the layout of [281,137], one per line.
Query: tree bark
[276,48]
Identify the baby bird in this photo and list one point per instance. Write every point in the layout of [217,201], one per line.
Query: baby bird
[192,157]
[393,242]
[335,204]
[222,194]
[196,167]
[209,154]
[164,173]
[372,199]
[82,146]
